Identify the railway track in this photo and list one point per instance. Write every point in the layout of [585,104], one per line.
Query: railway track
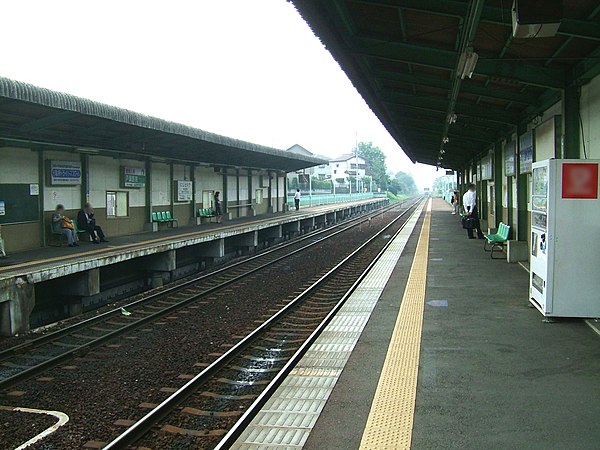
[214,406]
[34,357]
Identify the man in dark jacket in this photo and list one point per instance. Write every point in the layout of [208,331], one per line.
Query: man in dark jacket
[87,222]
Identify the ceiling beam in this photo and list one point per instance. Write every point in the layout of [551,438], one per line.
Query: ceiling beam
[444,59]
[583,29]
[47,121]
[492,114]
[468,86]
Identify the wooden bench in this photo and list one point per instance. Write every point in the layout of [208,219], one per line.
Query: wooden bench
[497,240]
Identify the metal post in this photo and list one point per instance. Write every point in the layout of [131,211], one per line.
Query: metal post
[571,123]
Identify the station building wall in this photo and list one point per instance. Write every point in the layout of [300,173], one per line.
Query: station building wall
[590,118]
[548,137]
[27,166]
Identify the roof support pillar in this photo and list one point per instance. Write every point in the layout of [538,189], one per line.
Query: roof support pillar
[571,122]
[148,189]
[498,164]
[522,182]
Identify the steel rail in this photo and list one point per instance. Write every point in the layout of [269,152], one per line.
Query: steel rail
[145,424]
[38,368]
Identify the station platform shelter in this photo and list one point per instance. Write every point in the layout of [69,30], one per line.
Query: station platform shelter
[438,347]
[56,148]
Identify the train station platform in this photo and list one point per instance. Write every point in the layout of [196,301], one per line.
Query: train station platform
[89,274]
[438,349]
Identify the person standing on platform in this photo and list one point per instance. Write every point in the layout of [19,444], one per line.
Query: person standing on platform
[470,205]
[218,210]
[454,202]
[87,222]
[2,252]
[297,199]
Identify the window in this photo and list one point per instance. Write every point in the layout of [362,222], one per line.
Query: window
[259,196]
[117,204]
[352,166]
[207,199]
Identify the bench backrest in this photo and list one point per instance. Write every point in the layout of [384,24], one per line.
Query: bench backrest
[503,230]
[169,217]
[163,215]
[154,216]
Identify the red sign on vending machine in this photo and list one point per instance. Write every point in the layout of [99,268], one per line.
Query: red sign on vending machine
[580,180]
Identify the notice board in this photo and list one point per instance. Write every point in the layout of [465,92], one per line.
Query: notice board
[21,203]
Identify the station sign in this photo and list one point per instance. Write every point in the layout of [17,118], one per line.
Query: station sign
[486,167]
[63,173]
[184,190]
[510,152]
[133,177]
[525,152]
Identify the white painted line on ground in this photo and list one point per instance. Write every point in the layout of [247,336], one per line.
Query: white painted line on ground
[287,418]
[62,419]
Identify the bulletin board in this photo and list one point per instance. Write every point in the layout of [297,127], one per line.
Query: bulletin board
[19,203]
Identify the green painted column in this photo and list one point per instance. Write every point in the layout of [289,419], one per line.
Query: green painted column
[498,163]
[571,125]
[148,189]
[42,185]
[521,180]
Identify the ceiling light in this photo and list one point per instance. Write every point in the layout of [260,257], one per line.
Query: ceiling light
[445,140]
[452,118]
[466,63]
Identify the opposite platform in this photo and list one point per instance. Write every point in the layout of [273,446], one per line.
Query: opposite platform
[491,373]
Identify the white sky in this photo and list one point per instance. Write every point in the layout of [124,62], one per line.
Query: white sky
[252,70]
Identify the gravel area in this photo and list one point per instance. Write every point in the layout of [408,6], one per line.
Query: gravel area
[17,427]
[101,389]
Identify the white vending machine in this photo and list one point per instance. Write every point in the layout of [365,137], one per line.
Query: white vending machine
[565,238]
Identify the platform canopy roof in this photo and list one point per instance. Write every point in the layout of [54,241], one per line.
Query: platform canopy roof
[403,56]
[31,115]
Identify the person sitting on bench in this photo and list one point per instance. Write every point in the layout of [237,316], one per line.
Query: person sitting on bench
[61,224]
[87,222]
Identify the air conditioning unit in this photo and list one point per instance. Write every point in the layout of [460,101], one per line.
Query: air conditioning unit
[536,18]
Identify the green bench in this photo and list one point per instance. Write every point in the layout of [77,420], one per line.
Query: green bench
[206,213]
[497,240]
[164,217]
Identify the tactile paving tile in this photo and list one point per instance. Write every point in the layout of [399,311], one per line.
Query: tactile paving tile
[288,417]
[390,421]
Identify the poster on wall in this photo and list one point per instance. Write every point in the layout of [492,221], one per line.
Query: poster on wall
[486,167]
[133,177]
[510,150]
[64,173]
[184,190]
[526,152]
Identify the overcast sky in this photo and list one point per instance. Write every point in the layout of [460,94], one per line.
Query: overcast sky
[249,69]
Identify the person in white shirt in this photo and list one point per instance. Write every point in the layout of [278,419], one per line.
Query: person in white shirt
[297,199]
[470,205]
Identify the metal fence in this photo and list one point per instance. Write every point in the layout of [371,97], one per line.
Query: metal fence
[326,199]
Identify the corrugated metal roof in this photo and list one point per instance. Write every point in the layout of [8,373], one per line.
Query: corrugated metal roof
[25,92]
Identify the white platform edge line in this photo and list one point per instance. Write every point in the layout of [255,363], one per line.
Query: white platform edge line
[381,273]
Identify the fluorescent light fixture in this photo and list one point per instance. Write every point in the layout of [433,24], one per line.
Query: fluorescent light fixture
[452,118]
[445,140]
[466,63]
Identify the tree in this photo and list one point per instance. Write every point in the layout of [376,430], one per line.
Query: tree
[402,184]
[375,159]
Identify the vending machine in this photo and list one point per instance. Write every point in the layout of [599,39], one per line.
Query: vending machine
[565,238]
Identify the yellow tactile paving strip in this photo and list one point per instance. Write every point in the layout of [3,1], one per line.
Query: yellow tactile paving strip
[390,421]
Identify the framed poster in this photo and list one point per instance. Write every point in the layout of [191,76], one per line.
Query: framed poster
[525,152]
[510,166]
[64,173]
[184,190]
[486,167]
[133,177]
